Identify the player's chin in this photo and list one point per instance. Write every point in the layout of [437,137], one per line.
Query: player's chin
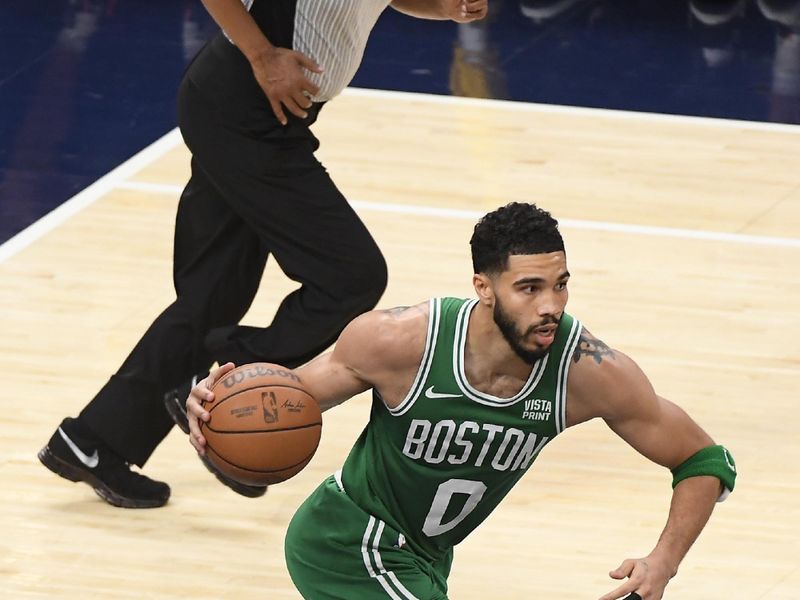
[534,352]
[541,350]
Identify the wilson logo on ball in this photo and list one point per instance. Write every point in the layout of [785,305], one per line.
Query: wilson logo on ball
[254,371]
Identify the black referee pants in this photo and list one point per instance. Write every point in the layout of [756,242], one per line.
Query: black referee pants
[256,191]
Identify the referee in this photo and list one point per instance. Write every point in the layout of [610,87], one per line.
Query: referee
[245,106]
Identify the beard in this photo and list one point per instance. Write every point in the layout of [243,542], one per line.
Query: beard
[515,338]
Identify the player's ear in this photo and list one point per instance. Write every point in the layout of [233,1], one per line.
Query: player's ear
[483,287]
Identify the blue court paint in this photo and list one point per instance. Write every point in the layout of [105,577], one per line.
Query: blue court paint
[84,84]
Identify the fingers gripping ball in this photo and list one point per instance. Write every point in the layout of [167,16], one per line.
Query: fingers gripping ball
[264,425]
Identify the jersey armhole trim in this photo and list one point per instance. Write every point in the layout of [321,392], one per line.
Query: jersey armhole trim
[434,305]
[563,374]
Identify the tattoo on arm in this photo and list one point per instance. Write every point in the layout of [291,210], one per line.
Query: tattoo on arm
[397,309]
[590,346]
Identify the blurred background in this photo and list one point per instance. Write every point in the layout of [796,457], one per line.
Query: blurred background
[85,84]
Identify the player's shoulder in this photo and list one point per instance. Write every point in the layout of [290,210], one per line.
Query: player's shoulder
[398,333]
[397,318]
[594,356]
[600,378]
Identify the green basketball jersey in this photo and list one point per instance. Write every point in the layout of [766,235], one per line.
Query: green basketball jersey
[435,466]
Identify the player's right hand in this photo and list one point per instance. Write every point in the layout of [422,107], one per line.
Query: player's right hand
[646,579]
[280,73]
[194,405]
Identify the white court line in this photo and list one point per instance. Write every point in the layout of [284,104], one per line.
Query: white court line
[473,215]
[82,199]
[117,176]
[514,105]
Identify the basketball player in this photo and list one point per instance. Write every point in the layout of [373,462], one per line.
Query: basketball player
[466,393]
[246,105]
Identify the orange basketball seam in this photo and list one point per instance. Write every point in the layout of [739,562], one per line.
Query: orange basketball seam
[255,387]
[219,403]
[292,466]
[277,430]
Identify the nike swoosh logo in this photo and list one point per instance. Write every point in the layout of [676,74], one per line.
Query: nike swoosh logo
[429,393]
[90,461]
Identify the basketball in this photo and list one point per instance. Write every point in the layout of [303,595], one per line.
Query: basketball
[264,427]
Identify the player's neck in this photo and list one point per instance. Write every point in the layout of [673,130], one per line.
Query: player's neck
[488,358]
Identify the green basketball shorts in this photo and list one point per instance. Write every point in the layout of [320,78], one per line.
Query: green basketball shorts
[337,551]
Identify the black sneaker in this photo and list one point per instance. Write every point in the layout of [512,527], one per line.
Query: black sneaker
[68,455]
[175,403]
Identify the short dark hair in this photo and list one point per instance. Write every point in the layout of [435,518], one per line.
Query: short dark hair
[516,228]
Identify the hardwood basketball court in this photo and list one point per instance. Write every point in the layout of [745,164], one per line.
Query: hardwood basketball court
[683,238]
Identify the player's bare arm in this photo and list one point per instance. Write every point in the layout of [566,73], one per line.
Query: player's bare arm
[608,384]
[380,349]
[279,71]
[460,11]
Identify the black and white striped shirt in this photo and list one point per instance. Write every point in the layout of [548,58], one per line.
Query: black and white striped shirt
[334,33]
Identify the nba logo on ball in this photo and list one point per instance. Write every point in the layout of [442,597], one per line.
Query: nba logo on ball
[270,405]
[267,446]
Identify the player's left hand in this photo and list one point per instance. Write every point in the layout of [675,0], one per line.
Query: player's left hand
[646,576]
[465,11]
